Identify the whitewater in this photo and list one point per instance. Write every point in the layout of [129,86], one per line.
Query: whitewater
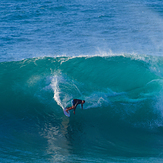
[108,53]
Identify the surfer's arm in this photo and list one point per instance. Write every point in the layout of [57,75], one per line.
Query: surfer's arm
[74,110]
[75,107]
[82,106]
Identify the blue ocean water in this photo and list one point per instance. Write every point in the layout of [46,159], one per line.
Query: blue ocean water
[108,53]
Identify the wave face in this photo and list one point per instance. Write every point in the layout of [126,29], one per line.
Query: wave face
[122,116]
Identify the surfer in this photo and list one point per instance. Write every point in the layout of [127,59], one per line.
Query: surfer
[75,102]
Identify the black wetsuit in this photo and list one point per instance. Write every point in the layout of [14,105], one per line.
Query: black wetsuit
[75,102]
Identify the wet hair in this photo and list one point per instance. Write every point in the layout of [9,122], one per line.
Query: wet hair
[83,101]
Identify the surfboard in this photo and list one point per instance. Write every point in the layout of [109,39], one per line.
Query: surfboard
[65,112]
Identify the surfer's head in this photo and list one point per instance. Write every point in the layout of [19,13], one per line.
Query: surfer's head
[83,101]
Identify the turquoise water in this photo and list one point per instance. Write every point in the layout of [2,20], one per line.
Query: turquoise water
[108,53]
[121,120]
